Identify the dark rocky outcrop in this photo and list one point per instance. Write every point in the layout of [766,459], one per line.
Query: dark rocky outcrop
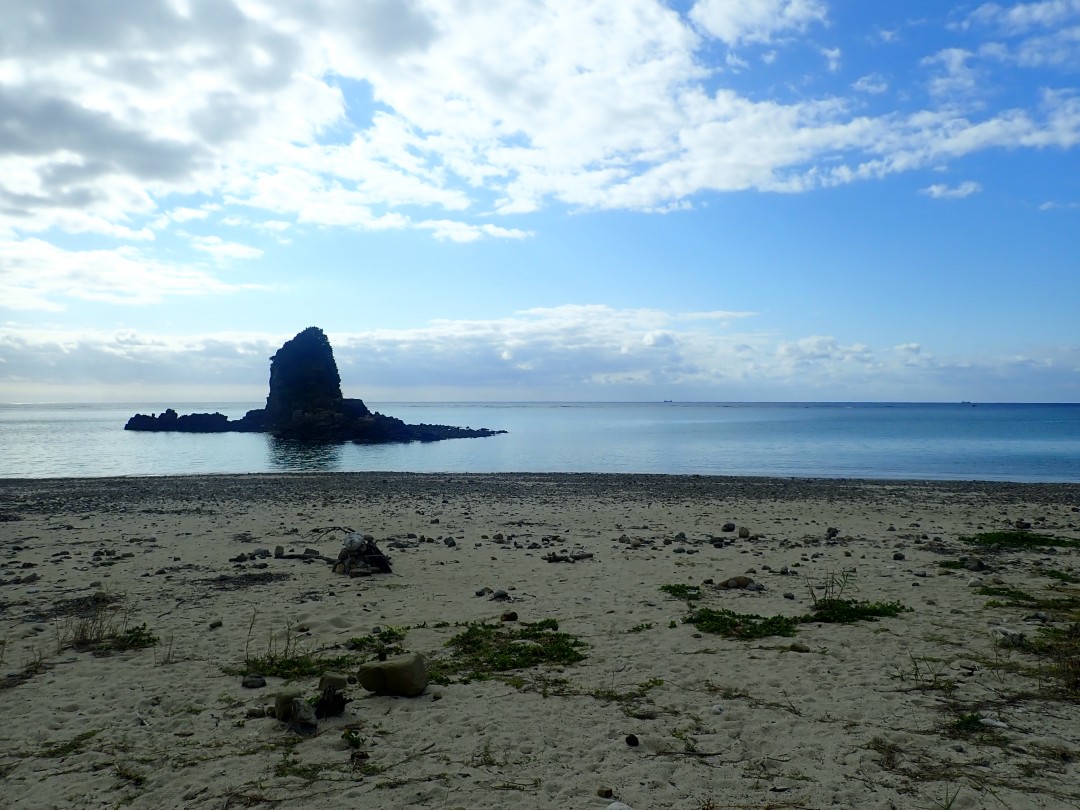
[305,402]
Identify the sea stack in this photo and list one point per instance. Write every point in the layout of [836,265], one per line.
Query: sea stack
[306,403]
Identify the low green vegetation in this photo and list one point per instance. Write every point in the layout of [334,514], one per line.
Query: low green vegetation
[73,746]
[484,650]
[828,608]
[1061,645]
[848,611]
[688,593]
[1018,539]
[385,642]
[741,625]
[1060,576]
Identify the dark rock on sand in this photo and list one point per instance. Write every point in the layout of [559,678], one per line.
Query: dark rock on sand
[305,403]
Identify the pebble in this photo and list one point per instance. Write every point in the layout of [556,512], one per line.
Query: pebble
[789,595]
[253,682]
[799,647]
[898,556]
[632,740]
[605,792]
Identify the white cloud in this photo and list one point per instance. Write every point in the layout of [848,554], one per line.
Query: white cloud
[476,108]
[832,58]
[1022,17]
[447,229]
[940,191]
[873,83]
[35,275]
[734,21]
[953,75]
[222,250]
[569,352]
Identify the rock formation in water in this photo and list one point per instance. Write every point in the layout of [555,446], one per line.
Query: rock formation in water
[305,402]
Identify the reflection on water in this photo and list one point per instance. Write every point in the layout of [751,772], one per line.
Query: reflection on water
[295,456]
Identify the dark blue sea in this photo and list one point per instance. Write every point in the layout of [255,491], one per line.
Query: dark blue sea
[988,442]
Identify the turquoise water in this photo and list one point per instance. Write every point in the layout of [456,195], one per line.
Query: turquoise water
[991,442]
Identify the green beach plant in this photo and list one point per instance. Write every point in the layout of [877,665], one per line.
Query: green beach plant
[484,650]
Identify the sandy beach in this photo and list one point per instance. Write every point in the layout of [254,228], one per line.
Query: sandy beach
[129,606]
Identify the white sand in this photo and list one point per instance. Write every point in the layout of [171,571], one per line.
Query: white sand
[859,721]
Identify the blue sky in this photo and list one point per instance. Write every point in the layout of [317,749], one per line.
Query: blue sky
[578,200]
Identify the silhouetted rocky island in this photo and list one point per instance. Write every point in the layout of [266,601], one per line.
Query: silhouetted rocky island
[305,402]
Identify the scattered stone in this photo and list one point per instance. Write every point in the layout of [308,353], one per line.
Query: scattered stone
[1007,637]
[744,533]
[799,647]
[334,679]
[789,595]
[733,583]
[974,564]
[404,675]
[215,624]
[283,702]
[331,702]
[605,793]
[632,740]
[898,556]
[279,552]
[253,681]
[728,527]
[302,717]
[510,616]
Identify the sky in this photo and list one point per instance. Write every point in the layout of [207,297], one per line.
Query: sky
[604,200]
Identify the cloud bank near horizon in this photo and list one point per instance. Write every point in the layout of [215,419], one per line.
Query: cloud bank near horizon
[562,353]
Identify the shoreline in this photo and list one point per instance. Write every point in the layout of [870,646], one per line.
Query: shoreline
[868,714]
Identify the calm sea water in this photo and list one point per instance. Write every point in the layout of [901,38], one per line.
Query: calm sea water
[850,440]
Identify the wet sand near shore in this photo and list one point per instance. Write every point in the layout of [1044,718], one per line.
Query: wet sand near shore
[966,698]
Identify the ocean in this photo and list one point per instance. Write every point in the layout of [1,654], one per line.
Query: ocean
[901,441]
